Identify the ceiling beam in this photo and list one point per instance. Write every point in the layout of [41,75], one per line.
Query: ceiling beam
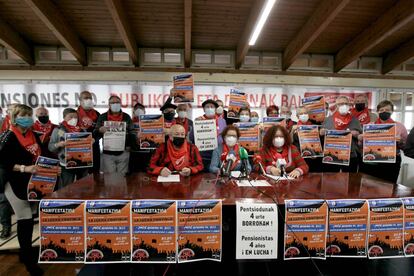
[121,21]
[55,21]
[188,6]
[324,14]
[398,56]
[13,41]
[388,23]
[243,44]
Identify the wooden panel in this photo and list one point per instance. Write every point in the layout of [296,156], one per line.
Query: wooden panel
[398,56]
[188,11]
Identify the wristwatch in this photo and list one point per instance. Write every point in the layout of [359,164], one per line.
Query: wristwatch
[22,167]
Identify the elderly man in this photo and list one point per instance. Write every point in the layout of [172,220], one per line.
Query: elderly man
[43,128]
[286,113]
[182,111]
[361,111]
[176,155]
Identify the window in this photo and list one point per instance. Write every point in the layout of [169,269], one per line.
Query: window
[403,107]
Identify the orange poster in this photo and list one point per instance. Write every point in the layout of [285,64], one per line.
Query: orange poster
[107,224]
[43,181]
[337,148]
[379,144]
[305,229]
[316,108]
[408,226]
[183,90]
[249,136]
[151,133]
[78,150]
[153,231]
[62,236]
[348,222]
[238,99]
[310,142]
[199,230]
[385,228]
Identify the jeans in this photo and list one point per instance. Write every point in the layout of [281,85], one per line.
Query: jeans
[5,211]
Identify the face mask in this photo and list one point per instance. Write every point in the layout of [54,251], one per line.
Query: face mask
[273,115]
[279,142]
[254,119]
[115,107]
[360,106]
[219,110]
[210,112]
[178,141]
[244,118]
[24,122]
[73,122]
[304,118]
[384,115]
[182,114]
[169,116]
[87,103]
[43,119]
[139,112]
[285,116]
[230,141]
[343,109]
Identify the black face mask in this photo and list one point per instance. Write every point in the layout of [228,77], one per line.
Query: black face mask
[43,119]
[178,141]
[360,106]
[169,116]
[385,115]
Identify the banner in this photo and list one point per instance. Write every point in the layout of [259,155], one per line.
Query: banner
[107,224]
[379,144]
[238,99]
[205,134]
[408,226]
[385,228]
[249,136]
[43,181]
[115,136]
[257,230]
[183,89]
[315,106]
[153,231]
[199,230]
[151,133]
[62,236]
[78,150]
[337,148]
[348,221]
[305,229]
[309,140]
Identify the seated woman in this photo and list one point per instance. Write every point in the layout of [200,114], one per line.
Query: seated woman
[177,154]
[277,145]
[230,135]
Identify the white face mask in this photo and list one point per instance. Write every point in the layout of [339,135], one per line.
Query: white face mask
[303,118]
[254,119]
[139,112]
[115,107]
[87,103]
[230,141]
[343,109]
[285,116]
[182,114]
[210,112]
[219,110]
[278,142]
[73,122]
[244,118]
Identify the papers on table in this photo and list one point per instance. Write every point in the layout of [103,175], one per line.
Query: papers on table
[170,178]
[254,183]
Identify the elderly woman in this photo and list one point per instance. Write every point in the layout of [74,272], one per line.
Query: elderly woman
[19,150]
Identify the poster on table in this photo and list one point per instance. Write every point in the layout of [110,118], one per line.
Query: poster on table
[205,134]
[385,228]
[337,148]
[115,136]
[348,224]
[183,89]
[305,229]
[62,235]
[199,230]
[153,231]
[249,136]
[107,224]
[379,143]
[78,150]
[151,133]
[238,99]
[310,142]
[408,226]
[315,106]
[43,181]
[257,230]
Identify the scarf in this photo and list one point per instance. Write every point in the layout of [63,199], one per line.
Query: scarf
[308,123]
[70,128]
[115,118]
[180,158]
[28,141]
[87,118]
[362,116]
[278,155]
[44,129]
[226,151]
[6,124]
[341,122]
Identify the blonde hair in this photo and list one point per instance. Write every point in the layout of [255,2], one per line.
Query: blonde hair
[20,109]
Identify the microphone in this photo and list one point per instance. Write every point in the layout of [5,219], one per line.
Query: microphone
[244,157]
[257,160]
[230,159]
[281,164]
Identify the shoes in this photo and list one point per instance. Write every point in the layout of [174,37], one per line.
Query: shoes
[5,232]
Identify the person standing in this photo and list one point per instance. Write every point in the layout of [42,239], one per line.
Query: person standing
[182,119]
[43,127]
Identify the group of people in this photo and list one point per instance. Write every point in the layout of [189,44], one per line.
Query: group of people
[23,139]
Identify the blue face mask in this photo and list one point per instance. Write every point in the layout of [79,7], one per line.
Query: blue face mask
[24,122]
